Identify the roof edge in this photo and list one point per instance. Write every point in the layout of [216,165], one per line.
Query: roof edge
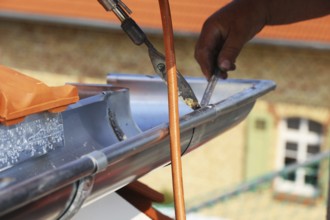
[81,22]
[109,25]
[24,16]
[292,43]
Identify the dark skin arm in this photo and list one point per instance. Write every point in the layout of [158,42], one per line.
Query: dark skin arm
[226,31]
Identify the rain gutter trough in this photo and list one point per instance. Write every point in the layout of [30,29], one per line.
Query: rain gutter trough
[117,133]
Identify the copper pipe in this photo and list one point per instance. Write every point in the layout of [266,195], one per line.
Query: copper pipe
[172,85]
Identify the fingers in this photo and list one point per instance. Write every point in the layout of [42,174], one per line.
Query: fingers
[207,48]
[217,48]
[230,50]
[225,33]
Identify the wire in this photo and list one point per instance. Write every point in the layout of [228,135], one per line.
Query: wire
[173,110]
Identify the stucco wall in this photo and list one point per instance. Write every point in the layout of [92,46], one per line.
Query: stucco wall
[302,75]
[67,50]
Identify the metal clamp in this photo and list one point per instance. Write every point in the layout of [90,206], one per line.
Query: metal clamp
[99,159]
[83,189]
[85,185]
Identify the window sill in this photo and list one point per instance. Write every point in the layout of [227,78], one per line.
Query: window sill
[310,201]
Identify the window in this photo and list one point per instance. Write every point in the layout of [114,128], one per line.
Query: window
[298,140]
[260,124]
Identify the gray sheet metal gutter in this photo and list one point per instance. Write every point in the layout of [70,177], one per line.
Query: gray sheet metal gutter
[116,135]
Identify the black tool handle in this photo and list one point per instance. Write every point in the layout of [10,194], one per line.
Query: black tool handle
[133,30]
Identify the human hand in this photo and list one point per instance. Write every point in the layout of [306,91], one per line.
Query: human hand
[226,31]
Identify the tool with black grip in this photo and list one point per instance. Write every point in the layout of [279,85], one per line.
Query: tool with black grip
[138,37]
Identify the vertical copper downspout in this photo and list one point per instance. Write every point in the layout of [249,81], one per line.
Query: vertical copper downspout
[172,85]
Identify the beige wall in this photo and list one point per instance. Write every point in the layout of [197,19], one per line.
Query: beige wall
[302,74]
[81,52]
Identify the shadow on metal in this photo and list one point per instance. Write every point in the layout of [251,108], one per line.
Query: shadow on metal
[117,133]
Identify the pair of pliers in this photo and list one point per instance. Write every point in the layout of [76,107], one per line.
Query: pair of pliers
[185,91]
[157,59]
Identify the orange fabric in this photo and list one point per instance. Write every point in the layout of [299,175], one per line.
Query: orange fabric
[21,95]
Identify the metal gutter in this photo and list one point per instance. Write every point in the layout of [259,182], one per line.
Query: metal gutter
[92,148]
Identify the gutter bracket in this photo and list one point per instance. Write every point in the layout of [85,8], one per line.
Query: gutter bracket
[99,160]
[83,190]
[85,185]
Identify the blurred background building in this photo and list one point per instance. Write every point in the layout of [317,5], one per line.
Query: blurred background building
[242,174]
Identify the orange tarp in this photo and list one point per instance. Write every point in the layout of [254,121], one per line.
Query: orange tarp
[21,95]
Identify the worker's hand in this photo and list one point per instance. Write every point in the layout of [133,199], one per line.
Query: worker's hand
[225,32]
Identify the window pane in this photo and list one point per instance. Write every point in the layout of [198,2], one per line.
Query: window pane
[313,149]
[291,146]
[293,123]
[288,161]
[289,176]
[311,174]
[314,127]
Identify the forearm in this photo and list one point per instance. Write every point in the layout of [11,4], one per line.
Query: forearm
[290,11]
[227,30]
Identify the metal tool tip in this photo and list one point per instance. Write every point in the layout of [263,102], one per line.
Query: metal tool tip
[192,104]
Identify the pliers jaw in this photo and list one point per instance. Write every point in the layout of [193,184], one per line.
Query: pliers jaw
[157,59]
[186,94]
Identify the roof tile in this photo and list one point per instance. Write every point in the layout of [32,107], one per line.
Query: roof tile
[188,16]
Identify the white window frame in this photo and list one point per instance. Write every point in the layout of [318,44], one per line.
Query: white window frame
[302,137]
